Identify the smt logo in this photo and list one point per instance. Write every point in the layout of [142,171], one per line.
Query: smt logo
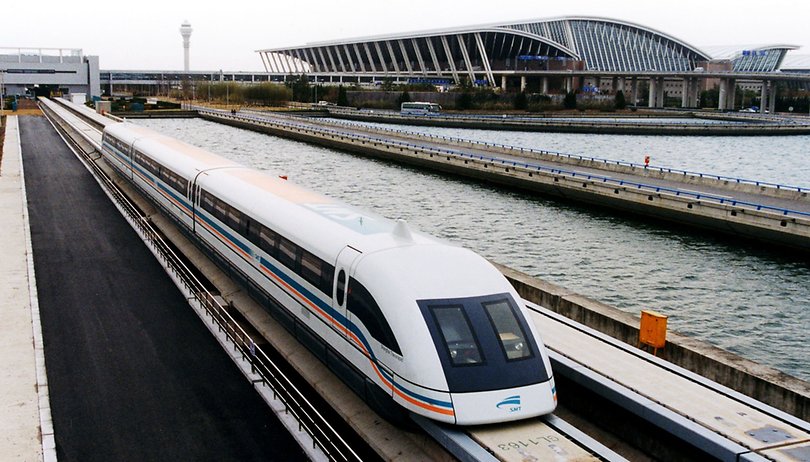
[510,404]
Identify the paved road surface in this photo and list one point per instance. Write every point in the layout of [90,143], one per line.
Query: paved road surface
[134,374]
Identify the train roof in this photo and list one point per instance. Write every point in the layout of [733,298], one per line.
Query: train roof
[154,142]
[308,217]
[320,223]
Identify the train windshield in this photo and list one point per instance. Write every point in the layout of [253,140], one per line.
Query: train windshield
[483,343]
[457,335]
[511,335]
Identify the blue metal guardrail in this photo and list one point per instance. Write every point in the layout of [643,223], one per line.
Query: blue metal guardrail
[623,183]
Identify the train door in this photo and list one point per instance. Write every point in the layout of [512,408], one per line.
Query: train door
[194,191]
[344,267]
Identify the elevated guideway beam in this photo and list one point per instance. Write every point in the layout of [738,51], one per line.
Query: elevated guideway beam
[715,419]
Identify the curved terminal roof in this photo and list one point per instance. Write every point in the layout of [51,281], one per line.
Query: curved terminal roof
[480,52]
[752,58]
[796,63]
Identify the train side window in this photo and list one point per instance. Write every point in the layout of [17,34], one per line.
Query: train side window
[219,210]
[268,241]
[311,268]
[340,287]
[207,202]
[510,333]
[362,304]
[454,326]
[288,254]
[234,218]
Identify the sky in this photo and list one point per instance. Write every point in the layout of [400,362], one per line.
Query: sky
[144,34]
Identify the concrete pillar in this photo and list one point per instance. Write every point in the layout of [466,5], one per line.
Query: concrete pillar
[503,83]
[545,86]
[634,91]
[763,96]
[721,104]
[653,92]
[732,94]
[523,83]
[772,98]
[685,93]
[659,93]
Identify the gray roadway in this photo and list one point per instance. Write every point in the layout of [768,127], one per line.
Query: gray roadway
[133,373]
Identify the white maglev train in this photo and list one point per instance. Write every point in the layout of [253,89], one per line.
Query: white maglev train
[409,322]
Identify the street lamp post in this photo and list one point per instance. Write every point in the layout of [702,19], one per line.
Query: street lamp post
[2,94]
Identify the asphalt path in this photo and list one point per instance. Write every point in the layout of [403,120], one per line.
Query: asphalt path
[133,372]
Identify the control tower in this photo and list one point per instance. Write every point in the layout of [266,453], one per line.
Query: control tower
[185,31]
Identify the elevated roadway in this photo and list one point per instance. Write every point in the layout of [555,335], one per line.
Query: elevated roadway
[772,214]
[715,421]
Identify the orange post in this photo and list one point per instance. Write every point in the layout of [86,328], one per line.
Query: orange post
[653,330]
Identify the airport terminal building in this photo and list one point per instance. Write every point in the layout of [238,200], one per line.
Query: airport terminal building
[494,53]
[45,71]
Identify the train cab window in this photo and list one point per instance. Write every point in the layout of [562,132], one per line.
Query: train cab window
[511,335]
[361,304]
[457,335]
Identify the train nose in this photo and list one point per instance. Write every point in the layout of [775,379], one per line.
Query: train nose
[505,405]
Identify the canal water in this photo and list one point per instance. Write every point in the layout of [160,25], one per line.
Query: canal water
[736,295]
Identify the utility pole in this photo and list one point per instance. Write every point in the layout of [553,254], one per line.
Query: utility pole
[2,95]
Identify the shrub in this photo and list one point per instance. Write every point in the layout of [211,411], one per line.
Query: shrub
[570,100]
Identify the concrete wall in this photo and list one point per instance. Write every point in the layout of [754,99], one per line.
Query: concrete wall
[768,385]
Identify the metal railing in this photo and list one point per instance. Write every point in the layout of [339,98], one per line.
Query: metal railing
[505,162]
[312,422]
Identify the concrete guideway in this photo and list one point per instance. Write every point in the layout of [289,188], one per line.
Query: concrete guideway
[717,185]
[712,209]
[26,429]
